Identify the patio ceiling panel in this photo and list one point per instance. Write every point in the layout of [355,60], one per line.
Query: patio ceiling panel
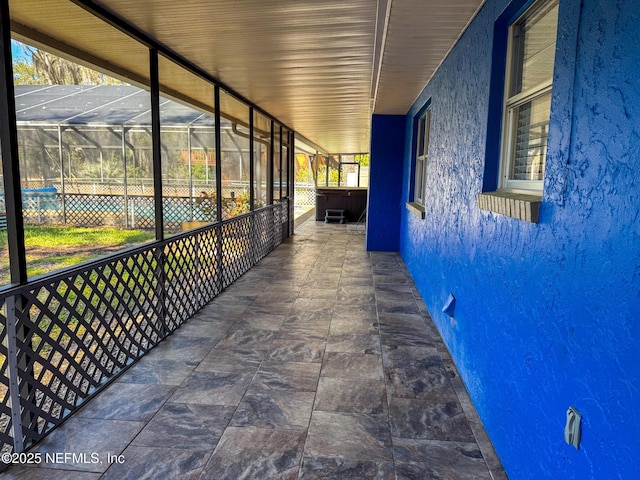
[417,41]
[307,63]
[321,67]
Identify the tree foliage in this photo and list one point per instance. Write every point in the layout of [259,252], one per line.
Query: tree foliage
[38,67]
[24,73]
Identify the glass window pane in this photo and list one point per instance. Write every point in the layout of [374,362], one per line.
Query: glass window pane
[421,136]
[427,127]
[530,138]
[424,125]
[419,180]
[83,161]
[534,42]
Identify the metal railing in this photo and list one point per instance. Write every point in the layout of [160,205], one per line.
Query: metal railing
[305,195]
[64,337]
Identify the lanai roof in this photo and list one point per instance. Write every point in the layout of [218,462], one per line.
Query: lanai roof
[98,105]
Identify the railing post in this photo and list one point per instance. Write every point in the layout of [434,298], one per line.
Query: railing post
[62,182]
[14,377]
[218,136]
[125,207]
[161,289]
[196,265]
[253,220]
[219,257]
[190,167]
[132,205]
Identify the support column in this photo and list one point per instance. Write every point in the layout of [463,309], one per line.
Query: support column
[270,167]
[218,135]
[10,154]
[156,142]
[19,391]
[385,183]
[252,198]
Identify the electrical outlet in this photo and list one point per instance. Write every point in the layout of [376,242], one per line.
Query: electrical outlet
[572,429]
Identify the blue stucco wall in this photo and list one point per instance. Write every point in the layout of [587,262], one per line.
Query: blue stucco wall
[385,186]
[548,314]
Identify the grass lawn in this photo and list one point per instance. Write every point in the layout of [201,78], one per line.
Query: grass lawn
[50,248]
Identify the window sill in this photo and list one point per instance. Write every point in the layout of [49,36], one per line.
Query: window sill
[416,209]
[522,206]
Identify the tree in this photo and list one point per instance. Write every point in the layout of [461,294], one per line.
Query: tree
[38,67]
[362,159]
[24,73]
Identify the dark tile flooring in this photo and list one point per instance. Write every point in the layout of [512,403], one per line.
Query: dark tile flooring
[320,362]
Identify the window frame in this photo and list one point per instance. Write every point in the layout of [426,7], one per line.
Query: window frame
[512,102]
[421,157]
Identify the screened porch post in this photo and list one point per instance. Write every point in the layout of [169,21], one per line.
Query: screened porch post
[252,198]
[156,145]
[190,172]
[10,154]
[270,166]
[291,181]
[14,307]
[62,182]
[124,179]
[280,147]
[218,135]
[220,227]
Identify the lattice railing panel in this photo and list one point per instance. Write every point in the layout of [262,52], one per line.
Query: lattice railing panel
[262,233]
[209,271]
[133,211]
[279,217]
[182,209]
[93,210]
[141,213]
[76,329]
[41,209]
[236,248]
[181,281]
[289,218]
[6,434]
[305,196]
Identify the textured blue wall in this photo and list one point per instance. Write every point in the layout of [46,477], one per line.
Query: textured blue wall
[548,314]
[385,188]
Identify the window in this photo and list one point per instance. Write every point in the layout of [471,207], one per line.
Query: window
[527,104]
[422,151]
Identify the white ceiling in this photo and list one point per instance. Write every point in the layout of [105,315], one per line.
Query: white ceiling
[322,67]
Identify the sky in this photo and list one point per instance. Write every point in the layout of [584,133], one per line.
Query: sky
[16,51]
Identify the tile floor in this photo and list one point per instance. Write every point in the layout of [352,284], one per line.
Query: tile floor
[321,362]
